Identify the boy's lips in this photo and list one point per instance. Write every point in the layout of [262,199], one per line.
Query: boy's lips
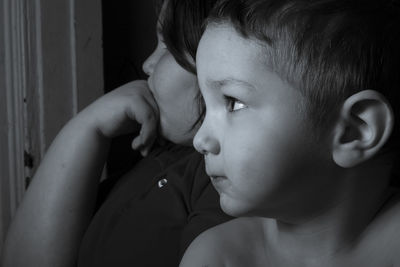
[217,177]
[218,182]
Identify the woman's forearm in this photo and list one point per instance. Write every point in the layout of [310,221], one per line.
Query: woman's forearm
[56,209]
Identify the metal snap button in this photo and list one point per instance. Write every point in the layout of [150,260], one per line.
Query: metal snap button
[162,182]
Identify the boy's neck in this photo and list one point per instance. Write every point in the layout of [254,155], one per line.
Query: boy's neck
[337,228]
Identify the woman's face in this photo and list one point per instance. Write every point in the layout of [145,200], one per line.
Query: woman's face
[175,91]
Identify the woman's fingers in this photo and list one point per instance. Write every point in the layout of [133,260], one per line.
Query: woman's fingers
[147,115]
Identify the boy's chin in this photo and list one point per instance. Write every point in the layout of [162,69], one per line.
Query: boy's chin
[233,209]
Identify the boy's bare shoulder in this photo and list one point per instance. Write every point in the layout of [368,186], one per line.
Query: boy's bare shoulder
[391,226]
[382,240]
[223,245]
[389,217]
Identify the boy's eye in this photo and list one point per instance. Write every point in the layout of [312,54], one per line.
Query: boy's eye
[160,40]
[161,43]
[233,104]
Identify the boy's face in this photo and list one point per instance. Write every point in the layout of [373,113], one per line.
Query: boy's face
[259,148]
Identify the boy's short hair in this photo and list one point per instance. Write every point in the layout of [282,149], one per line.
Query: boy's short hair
[328,49]
[181,28]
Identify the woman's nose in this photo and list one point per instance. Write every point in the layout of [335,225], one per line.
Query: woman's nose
[148,65]
[204,142]
[151,62]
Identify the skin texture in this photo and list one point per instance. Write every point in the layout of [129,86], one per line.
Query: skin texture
[301,202]
[57,207]
[174,90]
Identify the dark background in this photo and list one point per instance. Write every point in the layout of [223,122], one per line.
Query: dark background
[129,37]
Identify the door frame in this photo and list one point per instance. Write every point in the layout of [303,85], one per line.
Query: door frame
[51,66]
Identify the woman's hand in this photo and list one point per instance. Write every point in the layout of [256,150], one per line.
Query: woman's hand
[119,112]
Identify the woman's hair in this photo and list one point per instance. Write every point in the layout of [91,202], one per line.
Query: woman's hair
[182,27]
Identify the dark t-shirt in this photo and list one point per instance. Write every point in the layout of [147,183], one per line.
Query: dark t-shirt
[153,212]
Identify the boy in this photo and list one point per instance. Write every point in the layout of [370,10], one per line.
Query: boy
[300,136]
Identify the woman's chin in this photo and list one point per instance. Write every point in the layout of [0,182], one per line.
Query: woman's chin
[178,138]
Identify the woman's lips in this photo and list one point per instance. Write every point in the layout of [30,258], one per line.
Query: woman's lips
[149,83]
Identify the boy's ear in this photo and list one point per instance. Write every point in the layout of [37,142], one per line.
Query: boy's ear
[365,123]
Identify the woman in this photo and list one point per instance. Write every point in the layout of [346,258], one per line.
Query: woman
[157,208]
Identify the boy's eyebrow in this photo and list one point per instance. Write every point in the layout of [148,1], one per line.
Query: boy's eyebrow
[218,84]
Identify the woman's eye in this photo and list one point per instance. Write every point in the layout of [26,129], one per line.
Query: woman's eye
[234,105]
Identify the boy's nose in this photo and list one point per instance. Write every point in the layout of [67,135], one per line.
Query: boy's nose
[204,142]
